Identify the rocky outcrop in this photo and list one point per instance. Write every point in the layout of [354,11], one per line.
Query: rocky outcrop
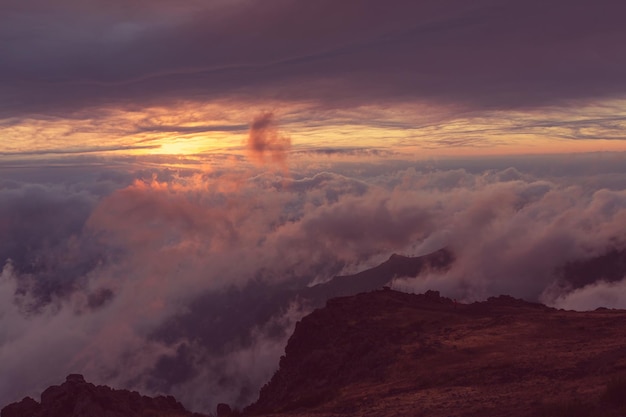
[25,408]
[342,344]
[78,398]
[386,353]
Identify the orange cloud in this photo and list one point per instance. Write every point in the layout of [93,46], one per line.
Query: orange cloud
[265,141]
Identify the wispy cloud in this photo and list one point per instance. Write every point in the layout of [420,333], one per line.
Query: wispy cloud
[78,150]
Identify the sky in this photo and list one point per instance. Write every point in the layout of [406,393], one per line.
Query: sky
[424,77]
[170,169]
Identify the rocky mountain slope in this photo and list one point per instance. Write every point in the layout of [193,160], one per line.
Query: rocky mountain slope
[78,398]
[387,353]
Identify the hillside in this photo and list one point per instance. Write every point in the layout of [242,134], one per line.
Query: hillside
[387,353]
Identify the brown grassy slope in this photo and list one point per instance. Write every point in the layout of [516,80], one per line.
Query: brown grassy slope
[387,353]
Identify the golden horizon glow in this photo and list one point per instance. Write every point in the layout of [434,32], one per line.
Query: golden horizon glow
[188,129]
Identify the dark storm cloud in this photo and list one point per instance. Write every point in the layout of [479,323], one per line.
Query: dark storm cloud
[513,53]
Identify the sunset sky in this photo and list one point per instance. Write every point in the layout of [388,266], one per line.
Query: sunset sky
[169,166]
[428,78]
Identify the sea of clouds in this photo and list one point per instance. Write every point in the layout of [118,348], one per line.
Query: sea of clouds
[162,278]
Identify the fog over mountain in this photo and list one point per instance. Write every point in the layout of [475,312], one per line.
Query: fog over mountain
[182,181]
[187,279]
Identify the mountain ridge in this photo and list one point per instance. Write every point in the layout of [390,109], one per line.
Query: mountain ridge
[386,353]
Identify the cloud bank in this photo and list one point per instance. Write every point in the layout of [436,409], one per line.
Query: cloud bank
[480,54]
[174,280]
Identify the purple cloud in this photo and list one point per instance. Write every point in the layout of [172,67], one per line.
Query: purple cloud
[485,54]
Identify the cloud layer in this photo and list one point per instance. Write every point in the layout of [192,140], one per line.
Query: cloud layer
[173,280]
[65,56]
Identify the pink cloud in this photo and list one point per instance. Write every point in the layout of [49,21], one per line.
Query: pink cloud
[266,142]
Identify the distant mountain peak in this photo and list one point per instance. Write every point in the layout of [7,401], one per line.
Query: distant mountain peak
[397,266]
